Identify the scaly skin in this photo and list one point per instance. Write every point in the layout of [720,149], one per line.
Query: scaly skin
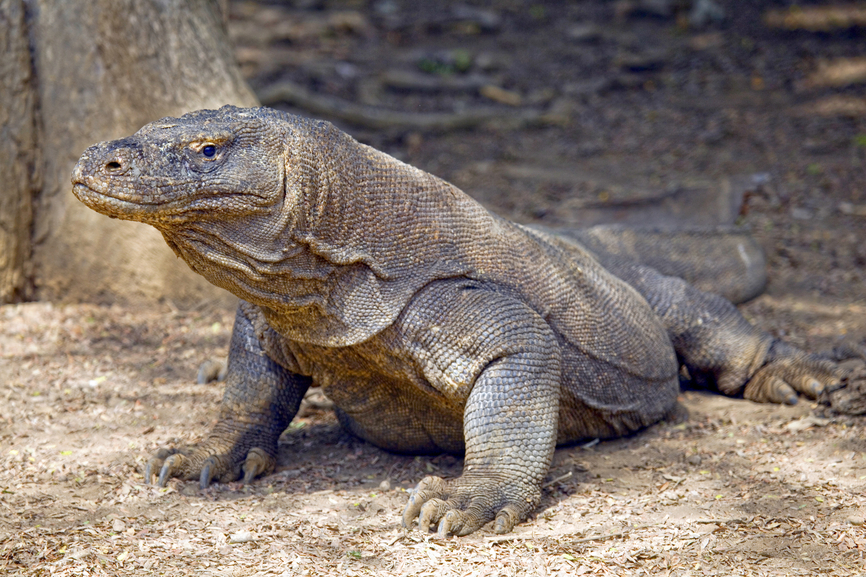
[431,323]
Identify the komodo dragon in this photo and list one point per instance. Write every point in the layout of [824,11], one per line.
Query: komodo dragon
[433,324]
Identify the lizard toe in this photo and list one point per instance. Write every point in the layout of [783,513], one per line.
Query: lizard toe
[468,520]
[155,463]
[169,467]
[458,523]
[770,389]
[432,512]
[429,488]
[849,395]
[506,519]
[257,463]
[208,469]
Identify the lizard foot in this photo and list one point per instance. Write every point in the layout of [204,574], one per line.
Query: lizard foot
[208,462]
[789,371]
[462,506]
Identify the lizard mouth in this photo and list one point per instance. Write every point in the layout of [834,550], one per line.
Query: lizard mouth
[115,199]
[105,203]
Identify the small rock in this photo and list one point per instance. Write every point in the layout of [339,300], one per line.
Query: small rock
[385,485]
[807,422]
[706,41]
[705,12]
[118,526]
[386,8]
[642,62]
[241,537]
[856,520]
[190,490]
[801,214]
[487,20]
[694,460]
[584,33]
[850,208]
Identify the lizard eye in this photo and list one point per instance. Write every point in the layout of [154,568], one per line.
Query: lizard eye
[209,150]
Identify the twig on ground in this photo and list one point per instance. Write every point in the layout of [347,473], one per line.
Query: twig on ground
[557,480]
[378,118]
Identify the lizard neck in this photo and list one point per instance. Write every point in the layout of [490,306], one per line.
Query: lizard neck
[358,234]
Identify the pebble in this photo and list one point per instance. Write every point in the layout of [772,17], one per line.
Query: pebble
[385,485]
[856,520]
[241,537]
[584,33]
[190,490]
[801,214]
[694,460]
[850,208]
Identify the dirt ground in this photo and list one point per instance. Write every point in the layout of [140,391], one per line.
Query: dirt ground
[583,106]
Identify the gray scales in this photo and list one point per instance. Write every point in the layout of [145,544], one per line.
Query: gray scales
[433,324]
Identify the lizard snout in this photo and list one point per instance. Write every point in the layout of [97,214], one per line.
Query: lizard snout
[118,158]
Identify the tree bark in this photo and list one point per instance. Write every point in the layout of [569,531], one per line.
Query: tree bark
[18,154]
[98,70]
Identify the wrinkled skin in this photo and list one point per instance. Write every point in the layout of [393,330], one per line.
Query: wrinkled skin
[431,323]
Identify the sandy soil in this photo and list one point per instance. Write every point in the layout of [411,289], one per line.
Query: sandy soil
[636,103]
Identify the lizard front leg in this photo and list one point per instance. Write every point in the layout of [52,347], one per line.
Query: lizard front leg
[501,359]
[259,402]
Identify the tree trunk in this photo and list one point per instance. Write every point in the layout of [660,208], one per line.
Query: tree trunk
[18,153]
[97,70]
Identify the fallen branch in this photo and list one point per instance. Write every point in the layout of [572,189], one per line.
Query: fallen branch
[378,118]
[817,18]
[601,537]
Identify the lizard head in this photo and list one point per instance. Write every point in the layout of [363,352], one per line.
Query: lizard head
[211,164]
[224,187]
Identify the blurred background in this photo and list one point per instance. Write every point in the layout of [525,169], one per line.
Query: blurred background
[690,112]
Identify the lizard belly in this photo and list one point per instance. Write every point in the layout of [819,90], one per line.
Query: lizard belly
[381,397]
[396,415]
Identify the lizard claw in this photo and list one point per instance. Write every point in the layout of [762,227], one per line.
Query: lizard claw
[155,463]
[451,524]
[207,473]
[171,465]
[256,463]
[849,397]
[506,519]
